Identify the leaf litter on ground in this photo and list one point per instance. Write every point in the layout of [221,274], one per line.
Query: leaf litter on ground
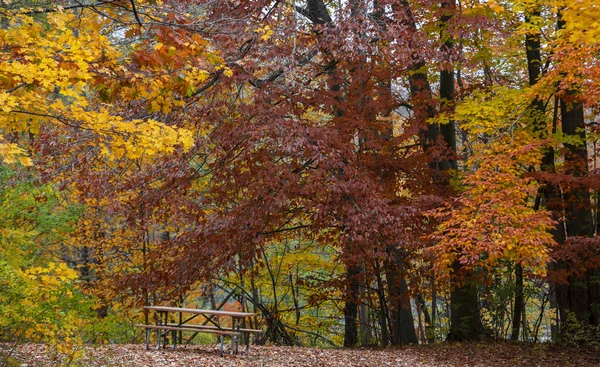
[438,355]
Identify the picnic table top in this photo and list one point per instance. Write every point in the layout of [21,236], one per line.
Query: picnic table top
[200,311]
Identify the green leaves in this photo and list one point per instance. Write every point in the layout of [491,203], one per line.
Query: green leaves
[40,298]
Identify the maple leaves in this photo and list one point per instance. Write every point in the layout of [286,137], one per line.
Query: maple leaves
[51,75]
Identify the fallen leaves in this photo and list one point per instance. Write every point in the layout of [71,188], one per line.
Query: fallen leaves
[446,355]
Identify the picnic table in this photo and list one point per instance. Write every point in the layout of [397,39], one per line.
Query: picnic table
[163,326]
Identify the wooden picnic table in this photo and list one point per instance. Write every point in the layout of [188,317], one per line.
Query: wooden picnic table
[163,326]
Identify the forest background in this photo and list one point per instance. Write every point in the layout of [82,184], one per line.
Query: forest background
[357,172]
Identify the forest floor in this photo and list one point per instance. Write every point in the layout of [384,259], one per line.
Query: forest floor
[468,354]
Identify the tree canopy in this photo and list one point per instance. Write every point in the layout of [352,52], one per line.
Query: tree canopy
[373,172]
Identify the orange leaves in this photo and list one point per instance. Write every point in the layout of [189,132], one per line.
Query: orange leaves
[494,220]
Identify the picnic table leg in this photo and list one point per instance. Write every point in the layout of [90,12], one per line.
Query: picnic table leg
[147,339]
[237,337]
[180,332]
[221,338]
[233,337]
[247,342]
[164,335]
[159,330]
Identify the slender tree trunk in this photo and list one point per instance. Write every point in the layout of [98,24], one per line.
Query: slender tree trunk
[351,306]
[519,303]
[465,321]
[427,317]
[365,324]
[550,192]
[383,313]
[433,310]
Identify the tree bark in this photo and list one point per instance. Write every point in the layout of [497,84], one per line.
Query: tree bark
[365,324]
[351,306]
[581,296]
[576,297]
[428,319]
[402,322]
[465,319]
[383,314]
[519,303]
[465,322]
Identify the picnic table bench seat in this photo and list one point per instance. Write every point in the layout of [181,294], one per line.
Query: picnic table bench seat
[176,327]
[211,327]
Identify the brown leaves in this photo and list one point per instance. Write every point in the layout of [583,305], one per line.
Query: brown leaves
[499,354]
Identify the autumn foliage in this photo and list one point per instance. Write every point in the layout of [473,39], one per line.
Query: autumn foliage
[357,172]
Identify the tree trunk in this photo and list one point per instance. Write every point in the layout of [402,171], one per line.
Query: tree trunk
[383,314]
[351,306]
[519,303]
[465,322]
[465,319]
[365,324]
[433,310]
[576,297]
[428,319]
[402,322]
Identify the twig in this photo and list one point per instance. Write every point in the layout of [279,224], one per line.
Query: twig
[135,13]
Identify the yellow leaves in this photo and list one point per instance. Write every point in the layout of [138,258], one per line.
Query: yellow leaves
[11,153]
[197,76]
[37,66]
[496,8]
[133,139]
[226,70]
[52,276]
[317,117]
[582,18]
[7,102]
[264,32]
[491,112]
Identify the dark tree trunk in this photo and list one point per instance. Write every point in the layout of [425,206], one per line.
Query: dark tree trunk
[577,296]
[401,317]
[383,314]
[465,319]
[447,90]
[465,322]
[363,312]
[550,192]
[519,303]
[433,310]
[351,306]
[316,11]
[580,297]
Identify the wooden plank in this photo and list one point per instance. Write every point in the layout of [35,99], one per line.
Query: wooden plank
[164,327]
[199,311]
[210,327]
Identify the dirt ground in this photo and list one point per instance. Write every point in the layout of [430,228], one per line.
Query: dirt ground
[471,354]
